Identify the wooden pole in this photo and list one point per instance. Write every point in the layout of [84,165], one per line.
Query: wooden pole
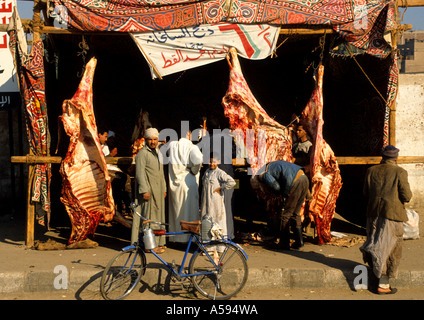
[410,3]
[29,238]
[392,107]
[376,160]
[30,214]
[31,159]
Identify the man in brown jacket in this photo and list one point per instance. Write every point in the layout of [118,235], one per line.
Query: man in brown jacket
[386,189]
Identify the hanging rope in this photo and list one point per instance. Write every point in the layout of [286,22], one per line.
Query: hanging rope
[83,53]
[274,53]
[321,46]
[363,71]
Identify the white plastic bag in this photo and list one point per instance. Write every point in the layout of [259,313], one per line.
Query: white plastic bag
[217,231]
[410,227]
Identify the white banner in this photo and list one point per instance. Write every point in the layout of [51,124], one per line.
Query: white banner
[8,82]
[175,50]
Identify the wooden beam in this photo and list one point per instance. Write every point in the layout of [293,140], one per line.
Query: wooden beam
[301,30]
[376,160]
[410,3]
[31,159]
[285,30]
[53,30]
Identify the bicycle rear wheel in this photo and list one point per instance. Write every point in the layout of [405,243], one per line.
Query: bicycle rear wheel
[122,274]
[220,279]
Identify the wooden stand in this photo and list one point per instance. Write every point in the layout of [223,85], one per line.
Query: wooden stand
[30,214]
[32,160]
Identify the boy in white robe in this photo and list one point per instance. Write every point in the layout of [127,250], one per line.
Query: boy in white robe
[214,181]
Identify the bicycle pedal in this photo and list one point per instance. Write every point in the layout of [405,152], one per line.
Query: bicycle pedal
[183,282]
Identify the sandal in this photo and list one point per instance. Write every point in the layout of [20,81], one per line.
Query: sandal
[386,291]
[157,250]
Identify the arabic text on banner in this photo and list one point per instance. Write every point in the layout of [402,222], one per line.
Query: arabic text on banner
[175,50]
[8,82]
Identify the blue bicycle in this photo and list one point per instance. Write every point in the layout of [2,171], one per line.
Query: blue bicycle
[217,268]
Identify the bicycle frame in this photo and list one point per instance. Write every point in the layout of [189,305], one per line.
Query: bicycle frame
[179,273]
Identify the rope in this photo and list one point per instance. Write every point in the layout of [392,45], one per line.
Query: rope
[363,71]
[84,50]
[274,53]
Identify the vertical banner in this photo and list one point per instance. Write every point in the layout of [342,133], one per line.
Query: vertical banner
[9,89]
[170,51]
[30,72]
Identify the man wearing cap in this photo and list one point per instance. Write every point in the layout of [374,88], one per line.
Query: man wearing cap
[151,187]
[386,190]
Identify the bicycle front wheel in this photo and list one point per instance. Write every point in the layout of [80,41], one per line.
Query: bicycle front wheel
[220,272]
[122,274]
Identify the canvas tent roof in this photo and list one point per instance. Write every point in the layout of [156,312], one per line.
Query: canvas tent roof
[361,23]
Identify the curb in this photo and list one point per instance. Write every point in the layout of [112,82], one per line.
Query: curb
[88,279]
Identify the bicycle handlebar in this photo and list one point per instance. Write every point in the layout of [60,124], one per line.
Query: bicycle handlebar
[133,205]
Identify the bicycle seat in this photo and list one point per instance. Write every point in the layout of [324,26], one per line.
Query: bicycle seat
[160,232]
[192,226]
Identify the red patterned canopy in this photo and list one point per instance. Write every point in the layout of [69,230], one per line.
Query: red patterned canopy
[359,22]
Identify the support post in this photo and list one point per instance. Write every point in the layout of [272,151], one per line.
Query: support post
[30,214]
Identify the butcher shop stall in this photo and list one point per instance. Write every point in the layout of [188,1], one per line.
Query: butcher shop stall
[255,67]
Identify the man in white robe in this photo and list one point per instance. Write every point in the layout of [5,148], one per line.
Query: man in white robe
[185,160]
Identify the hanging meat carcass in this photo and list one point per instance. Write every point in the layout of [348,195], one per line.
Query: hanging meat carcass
[324,174]
[266,140]
[86,185]
[245,113]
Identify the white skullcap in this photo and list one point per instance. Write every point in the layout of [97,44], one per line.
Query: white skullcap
[151,133]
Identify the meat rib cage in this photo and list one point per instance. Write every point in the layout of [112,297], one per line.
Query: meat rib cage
[86,185]
[251,122]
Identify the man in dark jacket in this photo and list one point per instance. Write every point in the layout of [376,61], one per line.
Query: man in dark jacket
[289,180]
[386,189]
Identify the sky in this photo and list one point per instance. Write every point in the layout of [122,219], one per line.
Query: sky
[413,15]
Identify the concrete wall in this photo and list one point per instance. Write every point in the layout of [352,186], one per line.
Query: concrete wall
[410,134]
[411,47]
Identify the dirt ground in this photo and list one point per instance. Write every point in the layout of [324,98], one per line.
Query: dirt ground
[114,237]
[17,257]
[244,295]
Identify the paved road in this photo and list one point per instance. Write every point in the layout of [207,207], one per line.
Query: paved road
[246,294]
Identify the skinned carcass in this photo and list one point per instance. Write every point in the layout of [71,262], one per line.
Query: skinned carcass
[262,138]
[324,170]
[86,185]
[265,139]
